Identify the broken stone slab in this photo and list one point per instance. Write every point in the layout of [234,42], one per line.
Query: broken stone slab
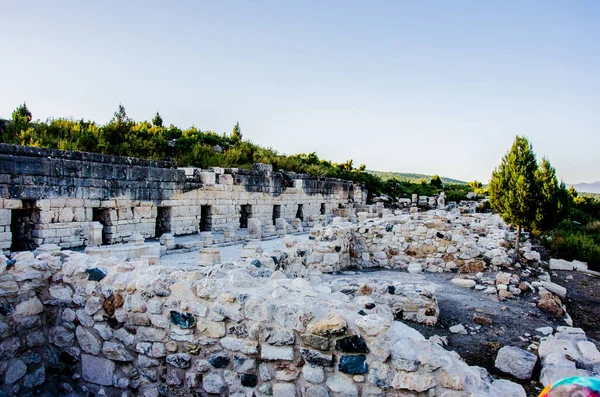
[516,362]
[561,264]
[463,282]
[415,268]
[552,287]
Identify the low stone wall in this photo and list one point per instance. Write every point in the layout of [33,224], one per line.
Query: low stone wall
[70,322]
[437,241]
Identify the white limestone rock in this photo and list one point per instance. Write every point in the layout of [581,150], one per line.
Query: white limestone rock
[516,362]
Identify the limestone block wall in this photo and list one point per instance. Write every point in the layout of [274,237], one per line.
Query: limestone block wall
[71,323]
[52,197]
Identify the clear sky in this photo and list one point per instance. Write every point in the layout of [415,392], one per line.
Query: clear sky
[421,86]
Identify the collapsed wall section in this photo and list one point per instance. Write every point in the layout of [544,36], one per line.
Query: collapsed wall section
[70,323]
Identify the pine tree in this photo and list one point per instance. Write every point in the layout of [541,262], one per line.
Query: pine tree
[514,190]
[157,121]
[236,134]
[21,114]
[436,181]
[548,215]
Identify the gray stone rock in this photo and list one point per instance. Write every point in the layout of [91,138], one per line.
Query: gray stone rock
[284,390]
[313,374]
[29,308]
[16,370]
[413,381]
[316,391]
[516,362]
[179,360]
[404,356]
[268,352]
[116,351]
[343,385]
[35,378]
[213,383]
[97,370]
[88,342]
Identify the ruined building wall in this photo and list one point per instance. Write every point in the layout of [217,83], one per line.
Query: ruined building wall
[54,197]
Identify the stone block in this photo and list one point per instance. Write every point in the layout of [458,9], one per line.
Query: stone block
[97,370]
[209,256]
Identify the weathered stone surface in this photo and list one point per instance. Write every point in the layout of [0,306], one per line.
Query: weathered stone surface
[318,342]
[29,307]
[313,374]
[317,358]
[413,381]
[16,370]
[116,351]
[462,282]
[219,361]
[352,344]
[88,342]
[342,385]
[97,370]
[213,383]
[96,274]
[516,362]
[179,360]
[249,380]
[240,345]
[183,320]
[354,365]
[332,326]
[268,352]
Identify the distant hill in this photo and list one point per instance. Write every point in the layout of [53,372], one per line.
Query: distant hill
[593,187]
[410,177]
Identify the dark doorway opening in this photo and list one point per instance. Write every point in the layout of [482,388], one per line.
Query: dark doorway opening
[205,218]
[22,225]
[299,212]
[323,209]
[276,212]
[163,221]
[245,214]
[102,215]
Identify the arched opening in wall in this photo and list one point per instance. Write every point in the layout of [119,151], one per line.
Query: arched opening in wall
[23,227]
[163,221]
[205,218]
[299,212]
[102,215]
[323,209]
[276,213]
[245,214]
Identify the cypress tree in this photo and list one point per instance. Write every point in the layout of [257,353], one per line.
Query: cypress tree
[513,189]
[236,134]
[157,121]
[548,214]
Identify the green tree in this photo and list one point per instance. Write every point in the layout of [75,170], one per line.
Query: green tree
[21,114]
[236,134]
[514,190]
[436,181]
[548,215]
[157,121]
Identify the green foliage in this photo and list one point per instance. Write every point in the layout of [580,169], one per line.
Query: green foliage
[410,177]
[436,181]
[571,241]
[548,215]
[514,188]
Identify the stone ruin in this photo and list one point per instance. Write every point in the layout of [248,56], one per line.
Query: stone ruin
[75,199]
[295,321]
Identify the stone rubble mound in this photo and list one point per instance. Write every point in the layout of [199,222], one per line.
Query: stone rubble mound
[72,323]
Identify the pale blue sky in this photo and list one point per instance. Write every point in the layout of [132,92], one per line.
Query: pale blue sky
[433,87]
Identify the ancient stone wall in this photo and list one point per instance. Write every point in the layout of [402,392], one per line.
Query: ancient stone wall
[72,323]
[53,197]
[435,241]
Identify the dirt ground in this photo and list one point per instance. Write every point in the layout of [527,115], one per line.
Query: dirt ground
[514,321]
